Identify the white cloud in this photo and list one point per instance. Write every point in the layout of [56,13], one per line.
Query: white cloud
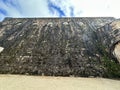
[64,5]
[24,8]
[92,8]
[77,8]
[34,8]
[11,11]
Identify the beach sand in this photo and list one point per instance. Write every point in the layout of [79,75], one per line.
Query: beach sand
[22,82]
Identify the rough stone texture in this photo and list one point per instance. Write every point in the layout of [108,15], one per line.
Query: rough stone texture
[57,46]
[1,49]
[116,52]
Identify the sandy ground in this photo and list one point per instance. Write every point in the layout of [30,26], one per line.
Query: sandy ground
[19,82]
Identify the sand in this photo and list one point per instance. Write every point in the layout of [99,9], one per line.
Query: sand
[19,82]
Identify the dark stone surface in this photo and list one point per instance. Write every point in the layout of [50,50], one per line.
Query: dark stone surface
[56,47]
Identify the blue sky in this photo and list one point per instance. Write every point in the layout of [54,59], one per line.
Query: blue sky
[59,8]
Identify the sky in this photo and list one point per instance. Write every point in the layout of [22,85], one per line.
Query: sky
[59,8]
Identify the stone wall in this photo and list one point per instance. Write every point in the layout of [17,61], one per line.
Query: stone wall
[57,47]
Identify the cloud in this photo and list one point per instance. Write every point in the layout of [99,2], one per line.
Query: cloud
[95,8]
[56,10]
[8,9]
[63,7]
[35,8]
[59,8]
[23,8]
